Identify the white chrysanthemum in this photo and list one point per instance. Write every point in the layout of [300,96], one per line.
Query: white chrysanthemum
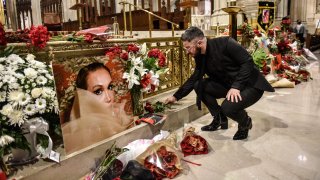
[14,86]
[49,76]
[5,140]
[39,65]
[41,103]
[33,84]
[3,59]
[15,96]
[26,86]
[30,109]
[36,92]
[19,76]
[48,92]
[43,71]
[1,68]
[7,110]
[16,117]
[25,100]
[30,57]
[41,80]
[15,59]
[3,96]
[30,73]
[9,79]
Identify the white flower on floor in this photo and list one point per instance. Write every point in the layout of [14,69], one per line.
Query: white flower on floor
[30,109]
[30,73]
[41,103]
[41,80]
[5,140]
[16,117]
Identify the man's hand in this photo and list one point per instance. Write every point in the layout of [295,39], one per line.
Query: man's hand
[234,95]
[170,100]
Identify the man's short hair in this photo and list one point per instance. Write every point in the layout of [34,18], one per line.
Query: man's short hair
[192,33]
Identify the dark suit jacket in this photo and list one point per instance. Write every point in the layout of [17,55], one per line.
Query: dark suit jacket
[227,63]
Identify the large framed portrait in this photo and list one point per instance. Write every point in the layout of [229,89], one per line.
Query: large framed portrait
[94,100]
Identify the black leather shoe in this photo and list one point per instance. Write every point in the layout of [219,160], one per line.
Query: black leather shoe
[220,121]
[243,131]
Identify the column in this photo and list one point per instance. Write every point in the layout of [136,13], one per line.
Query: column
[36,12]
[12,13]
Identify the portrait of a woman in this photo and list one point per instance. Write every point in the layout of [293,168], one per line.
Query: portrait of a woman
[95,115]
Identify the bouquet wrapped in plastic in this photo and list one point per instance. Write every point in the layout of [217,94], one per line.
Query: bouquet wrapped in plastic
[193,144]
[162,159]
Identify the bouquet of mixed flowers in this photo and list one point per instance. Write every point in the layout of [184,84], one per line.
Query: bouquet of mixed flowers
[142,67]
[27,96]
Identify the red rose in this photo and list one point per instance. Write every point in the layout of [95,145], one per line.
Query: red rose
[154,53]
[124,56]
[193,145]
[133,48]
[146,80]
[39,36]
[110,54]
[162,60]
[148,107]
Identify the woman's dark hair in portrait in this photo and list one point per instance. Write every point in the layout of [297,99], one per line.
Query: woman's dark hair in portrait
[81,81]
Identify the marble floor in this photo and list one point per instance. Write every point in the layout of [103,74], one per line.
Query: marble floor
[284,142]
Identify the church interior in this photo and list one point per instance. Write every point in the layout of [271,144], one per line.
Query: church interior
[53,127]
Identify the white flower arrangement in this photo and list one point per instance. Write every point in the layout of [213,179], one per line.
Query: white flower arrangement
[26,92]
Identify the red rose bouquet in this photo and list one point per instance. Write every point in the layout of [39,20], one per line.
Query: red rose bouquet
[193,144]
[39,36]
[162,159]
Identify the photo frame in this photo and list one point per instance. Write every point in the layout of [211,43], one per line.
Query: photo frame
[84,118]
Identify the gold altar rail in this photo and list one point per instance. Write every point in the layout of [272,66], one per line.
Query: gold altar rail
[150,18]
[71,53]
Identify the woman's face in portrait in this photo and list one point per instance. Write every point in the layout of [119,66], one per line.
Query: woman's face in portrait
[99,83]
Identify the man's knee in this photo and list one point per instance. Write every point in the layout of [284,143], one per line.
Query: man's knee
[227,109]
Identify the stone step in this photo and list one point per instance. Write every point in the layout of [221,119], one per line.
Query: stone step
[76,165]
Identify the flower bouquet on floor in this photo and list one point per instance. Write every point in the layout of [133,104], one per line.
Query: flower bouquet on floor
[193,144]
[28,106]
[109,166]
[162,158]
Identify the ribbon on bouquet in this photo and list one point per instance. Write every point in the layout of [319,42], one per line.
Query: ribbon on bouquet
[40,126]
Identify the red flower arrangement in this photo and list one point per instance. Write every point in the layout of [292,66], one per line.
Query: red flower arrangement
[39,36]
[156,53]
[162,163]
[3,41]
[193,144]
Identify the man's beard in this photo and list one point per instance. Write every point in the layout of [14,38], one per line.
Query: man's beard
[198,52]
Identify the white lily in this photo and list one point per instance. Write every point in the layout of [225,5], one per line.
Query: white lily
[143,48]
[131,77]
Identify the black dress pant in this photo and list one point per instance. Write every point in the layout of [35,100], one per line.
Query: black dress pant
[211,91]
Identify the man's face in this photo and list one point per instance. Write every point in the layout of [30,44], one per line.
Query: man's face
[191,47]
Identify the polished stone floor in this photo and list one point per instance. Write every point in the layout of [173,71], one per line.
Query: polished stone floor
[284,142]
